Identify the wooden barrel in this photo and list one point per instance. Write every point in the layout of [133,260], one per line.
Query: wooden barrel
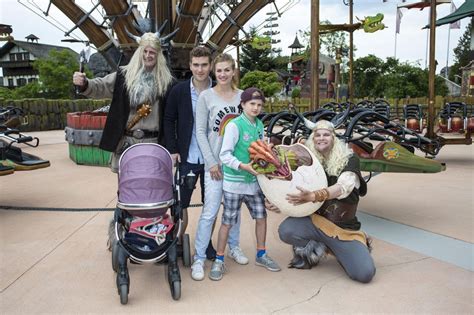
[83,133]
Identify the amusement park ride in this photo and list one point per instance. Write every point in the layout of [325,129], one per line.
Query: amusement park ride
[383,144]
[110,26]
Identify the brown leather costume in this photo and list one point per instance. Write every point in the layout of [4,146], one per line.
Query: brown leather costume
[343,212]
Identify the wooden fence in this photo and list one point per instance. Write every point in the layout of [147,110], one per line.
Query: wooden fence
[45,114]
[303,104]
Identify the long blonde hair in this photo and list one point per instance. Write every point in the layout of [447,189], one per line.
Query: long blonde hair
[338,157]
[161,71]
[225,58]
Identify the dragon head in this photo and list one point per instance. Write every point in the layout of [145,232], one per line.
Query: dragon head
[277,161]
[283,168]
[372,24]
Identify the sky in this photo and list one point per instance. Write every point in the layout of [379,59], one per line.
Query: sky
[411,42]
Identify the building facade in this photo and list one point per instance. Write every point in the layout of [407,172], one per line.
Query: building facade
[17,57]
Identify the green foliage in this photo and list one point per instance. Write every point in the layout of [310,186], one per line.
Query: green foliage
[265,81]
[392,79]
[368,72]
[461,53]
[295,93]
[281,62]
[5,93]
[55,73]
[55,78]
[328,42]
[252,58]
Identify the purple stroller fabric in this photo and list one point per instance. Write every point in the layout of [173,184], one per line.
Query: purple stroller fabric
[145,175]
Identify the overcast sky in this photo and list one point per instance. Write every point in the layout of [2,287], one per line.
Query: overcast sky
[411,42]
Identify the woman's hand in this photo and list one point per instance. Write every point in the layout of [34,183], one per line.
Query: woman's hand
[300,198]
[271,207]
[216,173]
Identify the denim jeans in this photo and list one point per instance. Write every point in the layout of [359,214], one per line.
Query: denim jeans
[212,203]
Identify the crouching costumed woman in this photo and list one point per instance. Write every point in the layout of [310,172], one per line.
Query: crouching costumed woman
[334,226]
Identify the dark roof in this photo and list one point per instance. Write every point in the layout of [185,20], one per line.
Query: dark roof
[32,37]
[98,65]
[296,43]
[38,50]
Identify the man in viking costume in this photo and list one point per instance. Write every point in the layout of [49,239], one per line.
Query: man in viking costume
[137,91]
[334,226]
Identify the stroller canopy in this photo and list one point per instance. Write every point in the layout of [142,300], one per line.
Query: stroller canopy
[145,175]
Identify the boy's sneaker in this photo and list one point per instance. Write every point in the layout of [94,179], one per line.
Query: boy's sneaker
[197,270]
[237,255]
[217,270]
[267,262]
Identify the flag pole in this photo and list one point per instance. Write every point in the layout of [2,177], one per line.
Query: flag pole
[395,52]
[396,31]
[447,52]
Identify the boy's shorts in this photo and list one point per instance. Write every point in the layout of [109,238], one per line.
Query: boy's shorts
[233,203]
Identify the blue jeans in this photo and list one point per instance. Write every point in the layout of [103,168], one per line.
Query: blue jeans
[212,203]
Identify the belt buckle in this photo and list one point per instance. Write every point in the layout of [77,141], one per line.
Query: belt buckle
[138,133]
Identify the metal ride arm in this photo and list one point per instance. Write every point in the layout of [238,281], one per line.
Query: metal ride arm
[367,121]
[96,34]
[21,138]
[288,119]
[234,22]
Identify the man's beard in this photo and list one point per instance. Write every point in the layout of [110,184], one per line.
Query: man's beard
[144,90]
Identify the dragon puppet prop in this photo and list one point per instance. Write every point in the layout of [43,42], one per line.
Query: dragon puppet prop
[369,24]
[283,167]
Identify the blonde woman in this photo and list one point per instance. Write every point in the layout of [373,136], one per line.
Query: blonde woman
[334,226]
[216,106]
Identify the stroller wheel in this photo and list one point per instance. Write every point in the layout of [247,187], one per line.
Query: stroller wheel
[123,294]
[115,252]
[186,251]
[175,287]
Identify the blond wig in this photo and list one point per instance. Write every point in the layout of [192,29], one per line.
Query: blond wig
[339,154]
[161,71]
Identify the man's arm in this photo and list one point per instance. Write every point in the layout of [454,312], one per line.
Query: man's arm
[100,87]
[170,121]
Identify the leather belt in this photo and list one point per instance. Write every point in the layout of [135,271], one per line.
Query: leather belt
[140,133]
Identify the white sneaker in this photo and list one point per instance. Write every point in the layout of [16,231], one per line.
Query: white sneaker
[237,255]
[197,270]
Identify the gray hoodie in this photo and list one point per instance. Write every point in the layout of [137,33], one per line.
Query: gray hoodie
[212,115]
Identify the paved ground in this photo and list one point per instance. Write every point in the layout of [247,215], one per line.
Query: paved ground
[56,261]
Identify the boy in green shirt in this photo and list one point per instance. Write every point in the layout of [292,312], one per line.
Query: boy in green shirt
[240,184]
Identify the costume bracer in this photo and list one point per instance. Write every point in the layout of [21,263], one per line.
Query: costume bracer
[334,227]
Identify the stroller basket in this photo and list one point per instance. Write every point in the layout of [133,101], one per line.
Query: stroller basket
[145,180]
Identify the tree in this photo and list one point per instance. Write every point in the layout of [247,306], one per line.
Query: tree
[255,55]
[368,72]
[55,73]
[265,81]
[328,42]
[375,78]
[462,53]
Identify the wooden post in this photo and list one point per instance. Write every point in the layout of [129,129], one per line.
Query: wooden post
[431,81]
[314,55]
[351,52]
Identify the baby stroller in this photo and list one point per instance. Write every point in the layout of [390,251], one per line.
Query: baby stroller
[145,231]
